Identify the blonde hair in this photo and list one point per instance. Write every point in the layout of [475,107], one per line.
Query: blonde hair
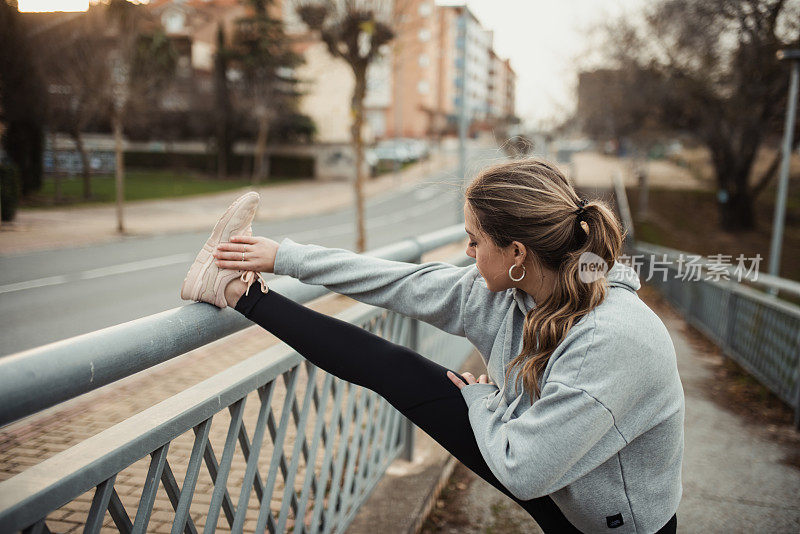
[531,201]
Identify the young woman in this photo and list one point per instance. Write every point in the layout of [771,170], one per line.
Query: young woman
[584,427]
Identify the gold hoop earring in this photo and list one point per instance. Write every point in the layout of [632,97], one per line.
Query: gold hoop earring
[512,276]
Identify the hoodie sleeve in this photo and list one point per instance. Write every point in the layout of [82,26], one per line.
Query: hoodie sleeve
[550,445]
[434,292]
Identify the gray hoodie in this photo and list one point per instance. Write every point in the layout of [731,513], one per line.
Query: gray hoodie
[604,439]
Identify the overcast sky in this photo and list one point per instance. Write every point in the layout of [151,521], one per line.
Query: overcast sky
[547,41]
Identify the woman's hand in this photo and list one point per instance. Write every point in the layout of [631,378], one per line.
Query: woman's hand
[260,253]
[483,379]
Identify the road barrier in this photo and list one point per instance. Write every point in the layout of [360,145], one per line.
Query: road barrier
[757,330]
[329,441]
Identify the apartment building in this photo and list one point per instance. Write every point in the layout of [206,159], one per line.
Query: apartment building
[510,87]
[431,53]
[412,88]
[327,84]
[502,88]
[197,21]
[415,59]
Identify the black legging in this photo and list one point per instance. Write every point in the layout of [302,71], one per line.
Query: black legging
[416,386]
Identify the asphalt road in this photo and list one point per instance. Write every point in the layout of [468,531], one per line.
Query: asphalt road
[53,295]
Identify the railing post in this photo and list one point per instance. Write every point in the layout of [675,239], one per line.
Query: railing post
[408,427]
[797,386]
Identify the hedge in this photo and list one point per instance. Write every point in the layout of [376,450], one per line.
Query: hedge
[282,166]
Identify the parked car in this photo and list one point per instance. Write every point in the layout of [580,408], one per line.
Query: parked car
[393,151]
[371,159]
[418,148]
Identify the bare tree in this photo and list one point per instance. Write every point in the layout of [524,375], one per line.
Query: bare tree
[708,67]
[78,76]
[263,56]
[22,99]
[354,31]
[222,105]
[141,61]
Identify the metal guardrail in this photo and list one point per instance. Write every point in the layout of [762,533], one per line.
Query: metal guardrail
[757,330]
[755,278]
[327,448]
[760,332]
[83,363]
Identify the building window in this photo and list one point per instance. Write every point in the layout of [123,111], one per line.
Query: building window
[423,87]
[424,60]
[425,9]
[424,35]
[173,22]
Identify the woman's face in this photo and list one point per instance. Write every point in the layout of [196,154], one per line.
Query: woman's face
[492,261]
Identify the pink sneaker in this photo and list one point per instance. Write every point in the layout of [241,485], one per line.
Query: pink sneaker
[205,281]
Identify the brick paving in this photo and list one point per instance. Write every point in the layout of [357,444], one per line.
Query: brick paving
[32,440]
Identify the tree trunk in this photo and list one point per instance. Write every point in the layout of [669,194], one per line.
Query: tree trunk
[56,169]
[732,168]
[222,106]
[120,169]
[738,213]
[358,146]
[222,159]
[260,166]
[87,179]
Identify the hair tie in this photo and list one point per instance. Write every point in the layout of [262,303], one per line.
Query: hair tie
[580,211]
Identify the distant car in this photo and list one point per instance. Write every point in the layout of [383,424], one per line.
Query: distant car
[390,151]
[418,148]
[371,159]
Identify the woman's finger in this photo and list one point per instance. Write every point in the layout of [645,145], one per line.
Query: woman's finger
[244,238]
[483,379]
[455,379]
[469,377]
[235,265]
[235,255]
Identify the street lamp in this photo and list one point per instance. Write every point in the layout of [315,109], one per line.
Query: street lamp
[783,181]
[461,87]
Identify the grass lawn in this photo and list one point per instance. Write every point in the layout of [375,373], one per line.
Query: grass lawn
[689,221]
[139,185]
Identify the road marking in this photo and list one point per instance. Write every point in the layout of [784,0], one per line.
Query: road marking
[164,261]
[425,194]
[111,270]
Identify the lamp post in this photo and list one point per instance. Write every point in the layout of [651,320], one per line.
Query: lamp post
[783,181]
[461,87]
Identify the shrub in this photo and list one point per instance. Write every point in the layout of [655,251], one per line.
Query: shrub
[9,191]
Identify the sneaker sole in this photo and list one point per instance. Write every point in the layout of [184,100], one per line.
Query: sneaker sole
[192,286]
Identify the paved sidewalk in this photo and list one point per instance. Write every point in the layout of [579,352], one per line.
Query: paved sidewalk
[737,476]
[44,229]
[594,170]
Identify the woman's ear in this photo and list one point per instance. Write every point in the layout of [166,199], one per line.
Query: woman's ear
[520,252]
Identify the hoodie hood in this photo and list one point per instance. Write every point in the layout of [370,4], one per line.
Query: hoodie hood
[619,275]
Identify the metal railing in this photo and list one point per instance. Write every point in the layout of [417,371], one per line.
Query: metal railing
[757,330]
[329,441]
[760,332]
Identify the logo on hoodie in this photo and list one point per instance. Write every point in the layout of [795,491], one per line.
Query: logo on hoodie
[614,521]
[591,267]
